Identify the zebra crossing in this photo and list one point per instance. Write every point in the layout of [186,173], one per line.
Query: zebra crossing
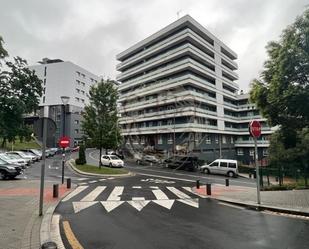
[114,197]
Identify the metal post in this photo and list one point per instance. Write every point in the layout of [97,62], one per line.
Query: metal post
[257,172]
[43,160]
[63,162]
[208,188]
[227,182]
[55,190]
[197,184]
[69,183]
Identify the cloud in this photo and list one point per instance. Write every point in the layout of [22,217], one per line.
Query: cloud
[91,33]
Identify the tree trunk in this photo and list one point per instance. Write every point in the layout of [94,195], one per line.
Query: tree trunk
[106,151]
[100,163]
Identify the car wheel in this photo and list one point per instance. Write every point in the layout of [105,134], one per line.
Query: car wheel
[2,175]
[230,174]
[206,171]
[111,165]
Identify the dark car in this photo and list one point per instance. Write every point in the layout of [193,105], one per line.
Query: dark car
[189,163]
[147,159]
[9,170]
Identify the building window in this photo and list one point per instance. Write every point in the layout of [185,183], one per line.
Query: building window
[169,122]
[208,139]
[265,152]
[44,89]
[76,131]
[240,151]
[232,139]
[160,139]
[76,122]
[77,99]
[45,71]
[170,139]
[83,83]
[142,140]
[78,73]
[224,139]
[83,101]
[251,152]
[83,92]
[83,75]
[78,82]
[44,82]
[43,99]
[77,90]
[216,139]
[160,123]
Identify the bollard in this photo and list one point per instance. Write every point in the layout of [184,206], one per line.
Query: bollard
[250,175]
[227,182]
[208,188]
[49,245]
[254,175]
[55,190]
[69,183]
[197,184]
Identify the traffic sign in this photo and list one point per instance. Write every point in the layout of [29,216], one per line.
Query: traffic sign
[64,142]
[255,128]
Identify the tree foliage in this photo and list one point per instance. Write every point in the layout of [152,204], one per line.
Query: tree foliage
[282,94]
[81,160]
[3,52]
[100,122]
[20,90]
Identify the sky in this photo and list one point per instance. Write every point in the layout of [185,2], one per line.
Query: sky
[91,33]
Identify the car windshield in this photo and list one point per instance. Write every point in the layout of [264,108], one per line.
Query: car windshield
[14,156]
[5,157]
[2,162]
[114,157]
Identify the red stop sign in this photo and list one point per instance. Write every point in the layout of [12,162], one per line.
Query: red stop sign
[64,142]
[255,128]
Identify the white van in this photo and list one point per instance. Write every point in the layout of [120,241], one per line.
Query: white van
[221,166]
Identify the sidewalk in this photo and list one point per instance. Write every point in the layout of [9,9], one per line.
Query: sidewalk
[19,214]
[289,200]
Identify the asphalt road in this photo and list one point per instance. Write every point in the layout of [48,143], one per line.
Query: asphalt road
[92,157]
[144,212]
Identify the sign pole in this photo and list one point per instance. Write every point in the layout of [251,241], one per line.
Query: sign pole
[257,171]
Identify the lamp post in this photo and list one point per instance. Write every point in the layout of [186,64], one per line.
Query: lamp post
[65,101]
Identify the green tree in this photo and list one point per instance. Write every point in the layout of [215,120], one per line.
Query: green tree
[100,122]
[282,92]
[3,52]
[81,160]
[20,90]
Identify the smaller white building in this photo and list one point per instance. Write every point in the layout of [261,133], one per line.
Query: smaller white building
[64,78]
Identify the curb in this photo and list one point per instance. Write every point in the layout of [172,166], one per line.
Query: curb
[45,229]
[261,207]
[94,174]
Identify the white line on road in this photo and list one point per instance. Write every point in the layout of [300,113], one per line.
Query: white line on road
[93,181]
[184,198]
[136,187]
[159,194]
[74,192]
[115,194]
[55,231]
[94,194]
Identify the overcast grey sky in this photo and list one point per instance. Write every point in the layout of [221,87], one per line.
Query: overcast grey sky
[91,32]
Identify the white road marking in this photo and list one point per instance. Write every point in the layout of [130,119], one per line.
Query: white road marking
[111,178]
[138,203]
[137,187]
[230,205]
[82,179]
[101,180]
[93,181]
[154,187]
[184,198]
[110,205]
[74,192]
[114,196]
[191,191]
[94,194]
[162,199]
[80,205]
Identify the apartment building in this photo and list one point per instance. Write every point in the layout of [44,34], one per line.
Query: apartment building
[64,78]
[178,94]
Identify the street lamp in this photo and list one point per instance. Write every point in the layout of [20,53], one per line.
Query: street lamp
[65,101]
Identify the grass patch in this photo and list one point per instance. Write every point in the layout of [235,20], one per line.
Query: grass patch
[104,170]
[22,146]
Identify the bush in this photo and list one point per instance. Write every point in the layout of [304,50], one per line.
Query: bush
[81,160]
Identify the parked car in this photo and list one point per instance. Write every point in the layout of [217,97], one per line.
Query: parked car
[18,157]
[111,161]
[182,162]
[34,155]
[22,155]
[9,160]
[147,159]
[222,167]
[9,170]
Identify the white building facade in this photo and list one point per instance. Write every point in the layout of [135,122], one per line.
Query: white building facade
[64,78]
[178,94]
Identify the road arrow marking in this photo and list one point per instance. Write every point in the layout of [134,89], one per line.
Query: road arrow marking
[138,203]
[110,205]
[190,202]
[79,206]
[74,192]
[165,203]
[94,194]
